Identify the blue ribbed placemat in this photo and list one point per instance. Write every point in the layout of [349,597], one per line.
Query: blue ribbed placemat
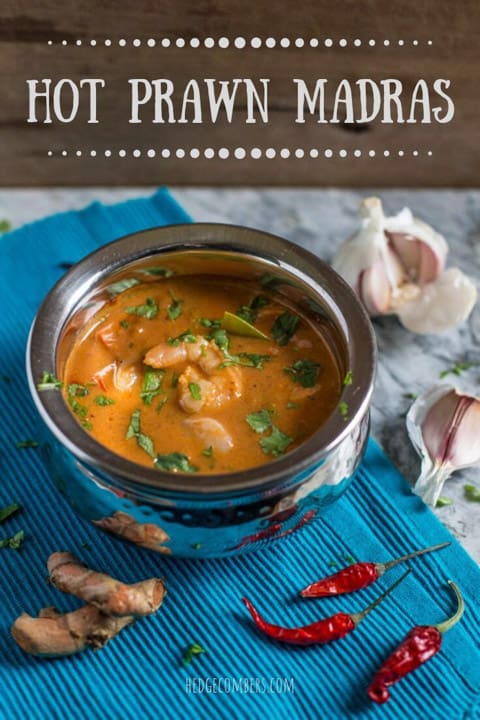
[139,674]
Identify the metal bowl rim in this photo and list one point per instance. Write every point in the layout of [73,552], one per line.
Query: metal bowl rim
[206,237]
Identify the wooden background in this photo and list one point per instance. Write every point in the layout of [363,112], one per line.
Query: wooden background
[26,26]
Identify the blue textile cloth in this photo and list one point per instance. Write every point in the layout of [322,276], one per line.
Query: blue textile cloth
[242,673]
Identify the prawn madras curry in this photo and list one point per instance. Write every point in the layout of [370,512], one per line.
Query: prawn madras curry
[201,374]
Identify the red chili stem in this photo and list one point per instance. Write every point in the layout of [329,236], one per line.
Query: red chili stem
[357,617]
[448,624]
[383,567]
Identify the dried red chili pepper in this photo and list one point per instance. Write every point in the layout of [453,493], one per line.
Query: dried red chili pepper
[421,643]
[359,575]
[323,631]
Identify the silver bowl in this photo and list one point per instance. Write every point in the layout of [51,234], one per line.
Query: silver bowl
[203,515]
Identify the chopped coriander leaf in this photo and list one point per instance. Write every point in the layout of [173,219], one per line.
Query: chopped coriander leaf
[161,404]
[158,271]
[134,431]
[332,564]
[348,379]
[349,559]
[175,377]
[152,385]
[343,409]
[149,310]
[121,285]
[5,226]
[292,406]
[208,452]
[221,339]
[191,651]
[410,396]
[27,444]
[49,382]
[146,443]
[284,327]
[73,391]
[87,425]
[76,390]
[134,425]
[458,368]
[304,372]
[260,421]
[196,546]
[195,391]
[254,359]
[13,542]
[103,400]
[472,493]
[9,510]
[206,322]
[259,302]
[124,324]
[249,312]
[186,336]
[276,443]
[244,359]
[174,310]
[86,546]
[443,501]
[174,462]
[246,313]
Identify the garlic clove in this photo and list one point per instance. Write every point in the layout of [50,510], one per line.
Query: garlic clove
[432,246]
[374,289]
[444,427]
[437,424]
[439,305]
[465,447]
[424,264]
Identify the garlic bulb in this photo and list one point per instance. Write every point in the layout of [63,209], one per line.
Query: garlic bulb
[396,265]
[444,427]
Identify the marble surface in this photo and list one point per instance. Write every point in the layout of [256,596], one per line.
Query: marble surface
[319,220]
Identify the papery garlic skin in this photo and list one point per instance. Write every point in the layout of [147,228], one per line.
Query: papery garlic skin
[444,427]
[439,305]
[396,265]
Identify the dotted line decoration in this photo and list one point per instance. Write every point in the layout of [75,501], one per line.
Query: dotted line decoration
[241,43]
[239,153]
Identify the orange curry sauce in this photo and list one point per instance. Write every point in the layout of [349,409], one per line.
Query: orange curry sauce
[156,378]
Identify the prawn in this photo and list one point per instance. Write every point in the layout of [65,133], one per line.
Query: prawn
[212,433]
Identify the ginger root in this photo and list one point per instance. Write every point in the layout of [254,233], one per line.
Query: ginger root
[53,634]
[146,535]
[112,605]
[110,596]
